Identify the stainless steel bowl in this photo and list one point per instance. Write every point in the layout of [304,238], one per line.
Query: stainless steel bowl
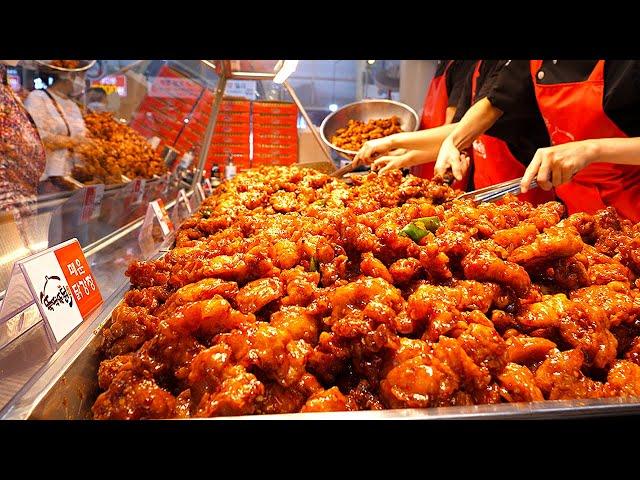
[86,65]
[366,110]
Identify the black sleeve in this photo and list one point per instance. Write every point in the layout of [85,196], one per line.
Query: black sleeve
[511,87]
[621,100]
[464,99]
[457,76]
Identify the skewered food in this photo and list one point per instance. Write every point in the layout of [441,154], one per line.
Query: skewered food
[289,291]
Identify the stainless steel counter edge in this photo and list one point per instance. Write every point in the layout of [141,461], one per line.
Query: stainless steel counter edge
[20,406]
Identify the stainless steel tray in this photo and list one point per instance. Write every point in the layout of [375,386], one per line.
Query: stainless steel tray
[66,388]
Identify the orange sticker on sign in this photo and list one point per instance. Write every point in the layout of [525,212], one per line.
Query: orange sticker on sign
[79,277]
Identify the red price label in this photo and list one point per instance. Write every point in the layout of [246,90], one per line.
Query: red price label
[79,278]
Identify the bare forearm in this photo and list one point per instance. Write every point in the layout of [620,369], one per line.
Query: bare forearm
[477,120]
[625,151]
[449,114]
[428,140]
[419,157]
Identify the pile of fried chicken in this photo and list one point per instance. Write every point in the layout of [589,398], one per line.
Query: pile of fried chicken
[290,291]
[115,149]
[356,133]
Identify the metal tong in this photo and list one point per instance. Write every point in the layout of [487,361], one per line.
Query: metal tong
[496,192]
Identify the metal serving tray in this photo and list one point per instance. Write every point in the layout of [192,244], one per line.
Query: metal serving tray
[66,388]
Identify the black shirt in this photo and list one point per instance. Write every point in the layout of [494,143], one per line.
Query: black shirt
[512,88]
[522,129]
[455,77]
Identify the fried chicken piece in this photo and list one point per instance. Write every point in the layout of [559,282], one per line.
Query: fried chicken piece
[301,286]
[110,368]
[331,400]
[570,273]
[285,254]
[148,274]
[518,384]
[150,298]
[419,382]
[128,330]
[553,243]
[404,270]
[603,273]
[614,298]
[237,395]
[546,215]
[329,357]
[583,222]
[472,377]
[514,237]
[579,325]
[373,267]
[368,298]
[485,346]
[278,399]
[485,266]
[284,202]
[220,386]
[271,349]
[363,398]
[525,350]
[633,352]
[586,328]
[544,314]
[439,307]
[407,349]
[255,295]
[433,379]
[298,323]
[168,355]
[560,377]
[204,289]
[133,397]
[207,317]
[623,380]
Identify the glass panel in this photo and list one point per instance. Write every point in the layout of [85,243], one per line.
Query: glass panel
[103,122]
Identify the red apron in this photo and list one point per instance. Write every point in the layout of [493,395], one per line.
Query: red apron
[494,163]
[574,112]
[434,114]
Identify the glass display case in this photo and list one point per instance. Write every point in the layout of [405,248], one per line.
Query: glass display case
[115,136]
[143,131]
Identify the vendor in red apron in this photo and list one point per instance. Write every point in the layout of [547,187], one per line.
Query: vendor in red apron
[590,110]
[419,149]
[504,148]
[441,101]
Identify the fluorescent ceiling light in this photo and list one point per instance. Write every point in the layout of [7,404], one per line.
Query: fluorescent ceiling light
[288,67]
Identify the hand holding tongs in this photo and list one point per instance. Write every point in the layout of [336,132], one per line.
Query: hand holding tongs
[496,192]
[349,167]
[344,170]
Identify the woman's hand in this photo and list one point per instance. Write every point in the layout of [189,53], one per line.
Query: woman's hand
[371,149]
[449,157]
[553,166]
[395,159]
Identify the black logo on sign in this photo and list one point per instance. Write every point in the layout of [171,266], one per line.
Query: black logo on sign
[60,296]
